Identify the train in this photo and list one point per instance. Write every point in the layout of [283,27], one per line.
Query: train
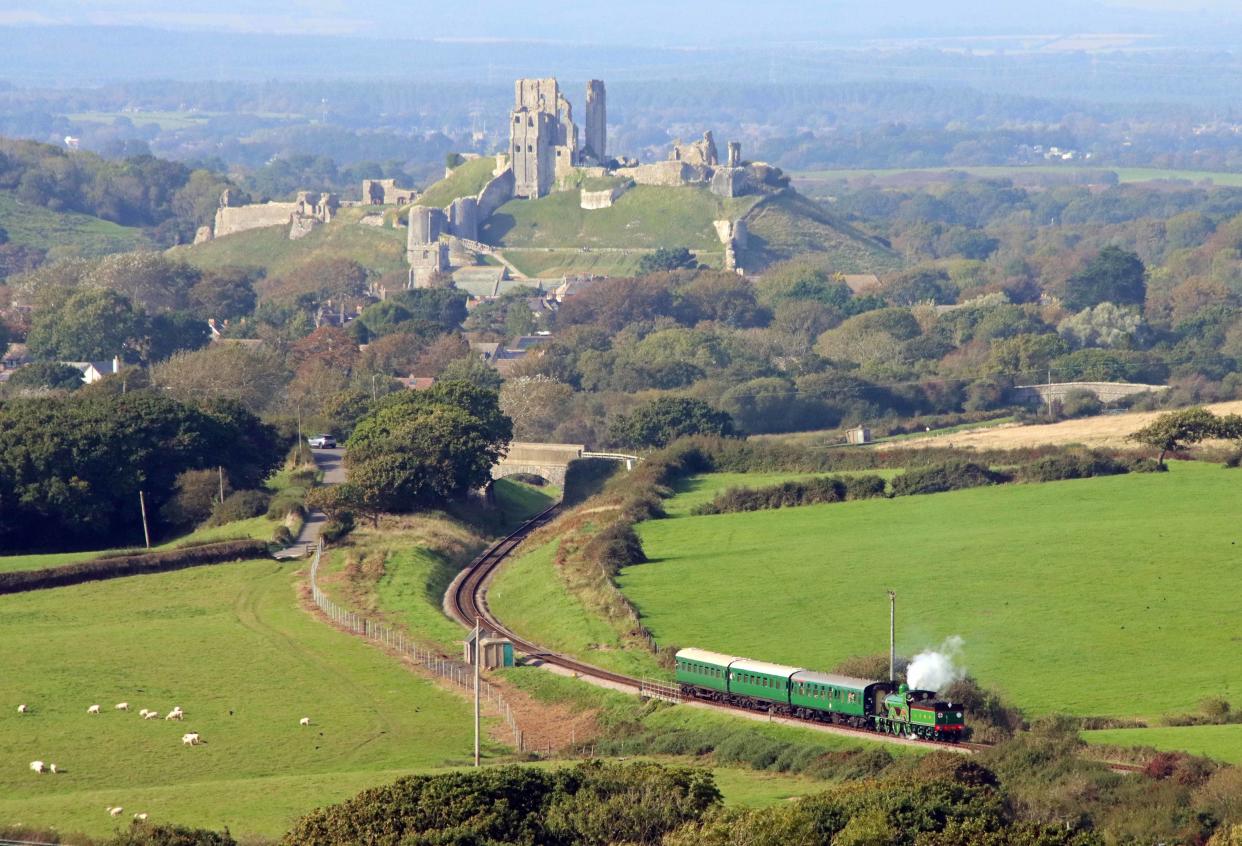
[880,706]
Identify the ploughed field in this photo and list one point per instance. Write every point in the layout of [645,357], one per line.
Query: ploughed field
[231,646]
[1108,596]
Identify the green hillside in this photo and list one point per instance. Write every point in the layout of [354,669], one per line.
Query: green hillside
[65,233]
[466,180]
[233,647]
[1224,743]
[644,217]
[1107,596]
[380,249]
[790,224]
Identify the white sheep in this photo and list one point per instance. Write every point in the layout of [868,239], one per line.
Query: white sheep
[305,721]
[21,709]
[122,706]
[143,713]
[141,817]
[116,812]
[36,766]
[150,715]
[190,738]
[94,709]
[52,767]
[175,714]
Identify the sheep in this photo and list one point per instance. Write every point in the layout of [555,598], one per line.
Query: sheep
[94,709]
[21,709]
[143,713]
[175,714]
[150,715]
[141,817]
[116,812]
[305,721]
[122,706]
[52,767]
[36,766]
[190,739]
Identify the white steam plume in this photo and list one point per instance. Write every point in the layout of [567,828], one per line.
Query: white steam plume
[936,669]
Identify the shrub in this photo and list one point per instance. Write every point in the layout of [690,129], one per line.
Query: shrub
[239,505]
[615,546]
[1072,465]
[144,834]
[284,503]
[1146,465]
[334,530]
[198,491]
[1081,403]
[949,476]
[864,487]
[791,494]
[282,536]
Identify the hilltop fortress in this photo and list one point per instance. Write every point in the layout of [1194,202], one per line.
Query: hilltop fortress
[546,154]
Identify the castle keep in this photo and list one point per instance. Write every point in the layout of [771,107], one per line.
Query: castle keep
[543,138]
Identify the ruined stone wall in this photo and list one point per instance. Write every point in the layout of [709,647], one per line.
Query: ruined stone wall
[600,199]
[595,144]
[385,192]
[701,152]
[234,219]
[463,218]
[531,137]
[669,174]
[495,194]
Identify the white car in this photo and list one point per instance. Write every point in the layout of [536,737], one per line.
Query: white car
[322,442]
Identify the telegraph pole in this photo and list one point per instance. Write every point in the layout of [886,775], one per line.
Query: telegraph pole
[892,635]
[142,504]
[478,659]
[220,471]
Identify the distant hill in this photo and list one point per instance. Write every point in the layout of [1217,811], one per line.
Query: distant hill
[65,233]
[790,224]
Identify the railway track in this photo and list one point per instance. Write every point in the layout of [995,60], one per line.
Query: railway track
[466,601]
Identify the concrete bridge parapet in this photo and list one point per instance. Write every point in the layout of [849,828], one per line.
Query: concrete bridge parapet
[549,461]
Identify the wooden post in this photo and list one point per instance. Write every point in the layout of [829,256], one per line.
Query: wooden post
[146,532]
[220,470]
[892,635]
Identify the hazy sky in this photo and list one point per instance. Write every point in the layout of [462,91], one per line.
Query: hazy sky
[639,21]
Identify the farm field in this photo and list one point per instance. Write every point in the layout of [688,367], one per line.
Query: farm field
[1224,743]
[76,234]
[230,645]
[1124,174]
[1105,430]
[1071,596]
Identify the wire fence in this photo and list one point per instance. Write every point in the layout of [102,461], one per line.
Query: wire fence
[458,672]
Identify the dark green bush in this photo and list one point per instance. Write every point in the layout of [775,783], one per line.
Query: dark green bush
[334,530]
[864,487]
[144,834]
[282,536]
[239,505]
[1072,465]
[794,493]
[949,476]
[284,503]
[614,547]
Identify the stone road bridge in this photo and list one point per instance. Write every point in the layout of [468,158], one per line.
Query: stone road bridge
[1104,391]
[549,460]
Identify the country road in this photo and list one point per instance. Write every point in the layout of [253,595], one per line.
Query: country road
[332,463]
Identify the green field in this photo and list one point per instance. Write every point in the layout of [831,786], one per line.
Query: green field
[703,488]
[644,217]
[1224,743]
[1099,596]
[1125,174]
[65,234]
[554,263]
[466,180]
[231,646]
[379,249]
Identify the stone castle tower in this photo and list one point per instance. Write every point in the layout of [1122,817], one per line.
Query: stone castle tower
[596,142]
[543,138]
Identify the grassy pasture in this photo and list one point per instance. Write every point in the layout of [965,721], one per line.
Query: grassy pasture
[466,180]
[1224,743]
[231,646]
[1098,596]
[64,233]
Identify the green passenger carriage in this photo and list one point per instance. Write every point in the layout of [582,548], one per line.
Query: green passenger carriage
[810,695]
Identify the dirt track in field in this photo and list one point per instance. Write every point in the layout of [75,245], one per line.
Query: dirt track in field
[1108,430]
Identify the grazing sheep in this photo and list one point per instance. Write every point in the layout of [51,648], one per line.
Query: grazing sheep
[143,713]
[37,766]
[190,739]
[141,817]
[122,706]
[94,709]
[21,709]
[305,721]
[175,714]
[52,767]
[151,715]
[116,812]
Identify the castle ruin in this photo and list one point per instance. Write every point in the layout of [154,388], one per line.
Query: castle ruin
[543,138]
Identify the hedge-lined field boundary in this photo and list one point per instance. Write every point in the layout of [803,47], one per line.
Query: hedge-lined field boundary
[132,565]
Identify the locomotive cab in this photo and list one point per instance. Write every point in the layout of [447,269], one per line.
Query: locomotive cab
[918,713]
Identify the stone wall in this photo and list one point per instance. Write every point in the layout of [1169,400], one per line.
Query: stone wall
[1057,391]
[495,194]
[384,192]
[463,218]
[668,174]
[233,219]
[595,145]
[600,199]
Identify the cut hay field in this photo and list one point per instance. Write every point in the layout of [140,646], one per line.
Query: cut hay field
[1105,430]
[1224,743]
[231,645]
[1110,596]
